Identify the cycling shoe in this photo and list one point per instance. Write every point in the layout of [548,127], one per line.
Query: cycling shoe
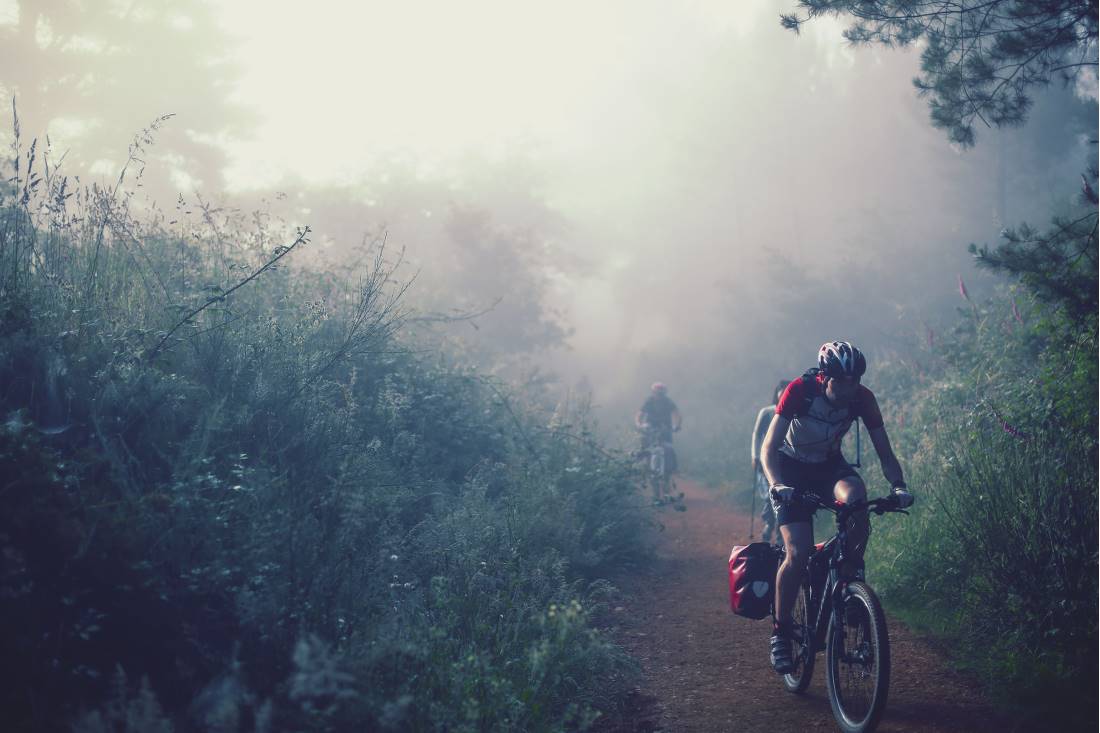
[781,654]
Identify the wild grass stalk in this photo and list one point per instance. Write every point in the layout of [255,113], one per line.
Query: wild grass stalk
[999,554]
[241,501]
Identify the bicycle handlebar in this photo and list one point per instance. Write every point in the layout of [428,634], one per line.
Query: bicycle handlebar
[880,506]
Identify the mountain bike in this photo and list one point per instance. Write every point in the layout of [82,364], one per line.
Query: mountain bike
[843,617]
[659,462]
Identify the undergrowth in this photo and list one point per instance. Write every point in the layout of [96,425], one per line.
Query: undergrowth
[996,423]
[237,497]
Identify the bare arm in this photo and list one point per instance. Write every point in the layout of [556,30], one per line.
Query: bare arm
[891,469]
[676,419]
[639,420]
[769,451]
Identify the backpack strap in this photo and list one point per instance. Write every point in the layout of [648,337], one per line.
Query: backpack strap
[809,378]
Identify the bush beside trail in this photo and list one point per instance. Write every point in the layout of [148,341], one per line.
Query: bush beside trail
[998,427]
[237,498]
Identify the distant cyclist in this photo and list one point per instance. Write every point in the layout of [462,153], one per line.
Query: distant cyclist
[657,420]
[801,453]
[659,414]
[760,481]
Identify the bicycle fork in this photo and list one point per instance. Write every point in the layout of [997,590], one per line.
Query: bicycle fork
[827,601]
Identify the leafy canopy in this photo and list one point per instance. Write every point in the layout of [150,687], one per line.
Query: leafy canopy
[981,58]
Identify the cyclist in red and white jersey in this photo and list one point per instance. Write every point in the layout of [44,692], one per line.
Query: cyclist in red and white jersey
[802,452]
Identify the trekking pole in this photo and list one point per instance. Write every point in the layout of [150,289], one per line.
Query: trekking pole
[752,517]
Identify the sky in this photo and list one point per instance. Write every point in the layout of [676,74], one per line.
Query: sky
[442,78]
[648,128]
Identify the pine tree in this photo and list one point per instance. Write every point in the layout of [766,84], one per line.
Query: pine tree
[1058,266]
[981,58]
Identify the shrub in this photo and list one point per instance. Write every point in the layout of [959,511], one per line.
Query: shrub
[999,554]
[239,481]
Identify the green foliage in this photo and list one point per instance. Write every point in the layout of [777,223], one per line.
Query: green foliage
[238,480]
[982,58]
[998,426]
[1058,266]
[126,713]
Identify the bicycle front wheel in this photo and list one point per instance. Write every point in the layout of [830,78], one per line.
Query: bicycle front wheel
[803,645]
[858,661]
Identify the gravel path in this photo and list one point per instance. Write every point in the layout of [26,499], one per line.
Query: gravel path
[707,670]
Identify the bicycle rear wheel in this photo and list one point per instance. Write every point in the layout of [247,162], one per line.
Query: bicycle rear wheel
[857,654]
[803,645]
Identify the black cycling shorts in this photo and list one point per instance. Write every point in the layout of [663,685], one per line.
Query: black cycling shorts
[808,478]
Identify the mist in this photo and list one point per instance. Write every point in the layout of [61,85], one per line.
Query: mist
[323,329]
[605,196]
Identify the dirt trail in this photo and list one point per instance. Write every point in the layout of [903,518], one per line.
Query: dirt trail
[707,670]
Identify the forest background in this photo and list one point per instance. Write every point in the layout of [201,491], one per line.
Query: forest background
[261,477]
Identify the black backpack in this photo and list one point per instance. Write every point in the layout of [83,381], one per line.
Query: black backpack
[809,384]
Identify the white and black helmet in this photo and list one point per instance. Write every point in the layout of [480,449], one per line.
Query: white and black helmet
[841,359]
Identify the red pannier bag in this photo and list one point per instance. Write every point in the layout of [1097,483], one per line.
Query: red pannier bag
[752,579]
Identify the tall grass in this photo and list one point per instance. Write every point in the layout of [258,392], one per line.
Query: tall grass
[237,497]
[1000,552]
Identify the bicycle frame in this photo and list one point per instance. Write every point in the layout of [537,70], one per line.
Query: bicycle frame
[826,559]
[841,616]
